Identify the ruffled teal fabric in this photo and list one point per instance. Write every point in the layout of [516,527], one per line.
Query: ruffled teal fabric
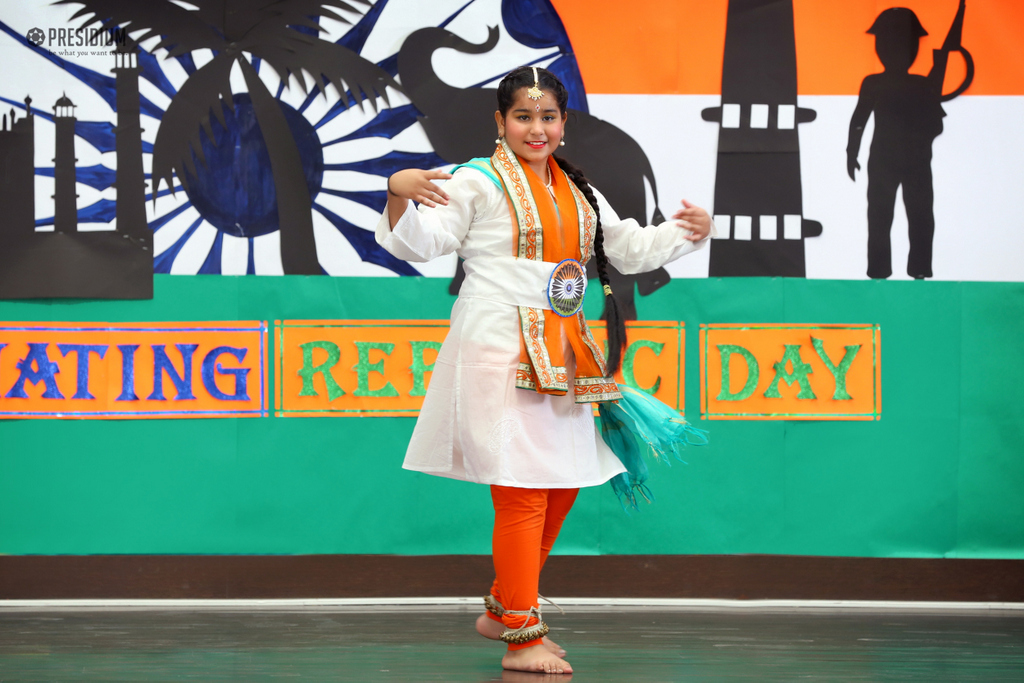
[640,424]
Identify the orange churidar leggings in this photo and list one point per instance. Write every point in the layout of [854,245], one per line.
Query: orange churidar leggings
[526,524]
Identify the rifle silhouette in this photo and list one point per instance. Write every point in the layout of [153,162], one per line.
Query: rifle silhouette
[940,57]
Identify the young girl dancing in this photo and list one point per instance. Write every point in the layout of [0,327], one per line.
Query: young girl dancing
[510,399]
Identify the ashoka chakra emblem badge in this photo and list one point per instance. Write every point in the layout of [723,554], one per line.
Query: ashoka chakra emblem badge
[566,288]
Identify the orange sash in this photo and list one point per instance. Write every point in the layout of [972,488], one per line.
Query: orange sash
[552,230]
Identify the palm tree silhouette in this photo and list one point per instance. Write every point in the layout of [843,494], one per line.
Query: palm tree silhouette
[279,33]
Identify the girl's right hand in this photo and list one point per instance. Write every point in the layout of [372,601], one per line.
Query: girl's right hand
[414,184]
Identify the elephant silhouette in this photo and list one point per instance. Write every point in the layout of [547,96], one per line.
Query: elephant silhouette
[459,123]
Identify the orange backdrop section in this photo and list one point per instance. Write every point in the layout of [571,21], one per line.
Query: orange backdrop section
[647,46]
[834,53]
[676,46]
[81,384]
[777,372]
[381,368]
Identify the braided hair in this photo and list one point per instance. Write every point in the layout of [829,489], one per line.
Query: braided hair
[522,77]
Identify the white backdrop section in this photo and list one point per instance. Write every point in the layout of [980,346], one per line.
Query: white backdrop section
[681,147]
[460,70]
[978,171]
[977,174]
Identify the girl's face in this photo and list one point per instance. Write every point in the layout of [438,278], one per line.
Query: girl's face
[532,128]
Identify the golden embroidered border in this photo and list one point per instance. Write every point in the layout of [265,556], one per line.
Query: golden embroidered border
[525,378]
[585,218]
[531,241]
[539,349]
[518,243]
[548,376]
[596,390]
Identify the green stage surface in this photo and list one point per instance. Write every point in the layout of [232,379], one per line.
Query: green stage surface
[940,475]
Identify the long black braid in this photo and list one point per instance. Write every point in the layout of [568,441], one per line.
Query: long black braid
[522,77]
[612,315]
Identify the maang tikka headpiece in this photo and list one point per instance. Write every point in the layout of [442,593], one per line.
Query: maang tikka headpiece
[535,93]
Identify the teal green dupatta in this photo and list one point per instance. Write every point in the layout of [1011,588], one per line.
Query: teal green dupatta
[639,424]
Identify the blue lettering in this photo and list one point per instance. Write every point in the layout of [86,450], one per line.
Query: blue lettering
[83,351]
[44,372]
[210,365]
[128,372]
[162,364]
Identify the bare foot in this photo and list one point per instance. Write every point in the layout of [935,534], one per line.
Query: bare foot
[489,628]
[536,659]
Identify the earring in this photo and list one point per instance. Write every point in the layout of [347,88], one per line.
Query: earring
[499,139]
[561,143]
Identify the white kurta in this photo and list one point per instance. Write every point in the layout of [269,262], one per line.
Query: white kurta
[475,425]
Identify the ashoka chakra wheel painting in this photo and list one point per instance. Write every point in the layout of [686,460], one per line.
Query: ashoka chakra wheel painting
[566,288]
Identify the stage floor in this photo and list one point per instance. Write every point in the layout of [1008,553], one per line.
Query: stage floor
[438,644]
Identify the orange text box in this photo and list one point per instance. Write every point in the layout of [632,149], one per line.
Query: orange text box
[790,372]
[355,368]
[653,358]
[381,368]
[133,370]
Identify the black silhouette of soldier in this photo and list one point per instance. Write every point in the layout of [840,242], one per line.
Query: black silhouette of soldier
[908,117]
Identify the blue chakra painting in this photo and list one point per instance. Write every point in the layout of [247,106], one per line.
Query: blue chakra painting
[218,137]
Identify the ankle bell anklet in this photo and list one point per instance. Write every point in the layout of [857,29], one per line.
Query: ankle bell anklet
[524,633]
[493,606]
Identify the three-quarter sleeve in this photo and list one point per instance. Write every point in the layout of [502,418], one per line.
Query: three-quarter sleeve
[424,233]
[632,248]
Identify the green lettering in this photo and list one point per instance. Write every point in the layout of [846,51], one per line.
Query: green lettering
[838,372]
[798,375]
[309,370]
[364,367]
[419,368]
[753,372]
[629,358]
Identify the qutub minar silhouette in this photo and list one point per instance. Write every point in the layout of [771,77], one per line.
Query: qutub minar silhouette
[68,262]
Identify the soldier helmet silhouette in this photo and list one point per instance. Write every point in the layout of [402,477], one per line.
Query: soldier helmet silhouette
[898,21]
[897,33]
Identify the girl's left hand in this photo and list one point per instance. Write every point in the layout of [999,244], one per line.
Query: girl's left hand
[694,219]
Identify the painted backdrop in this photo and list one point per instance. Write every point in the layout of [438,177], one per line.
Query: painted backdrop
[856,178]
[770,113]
